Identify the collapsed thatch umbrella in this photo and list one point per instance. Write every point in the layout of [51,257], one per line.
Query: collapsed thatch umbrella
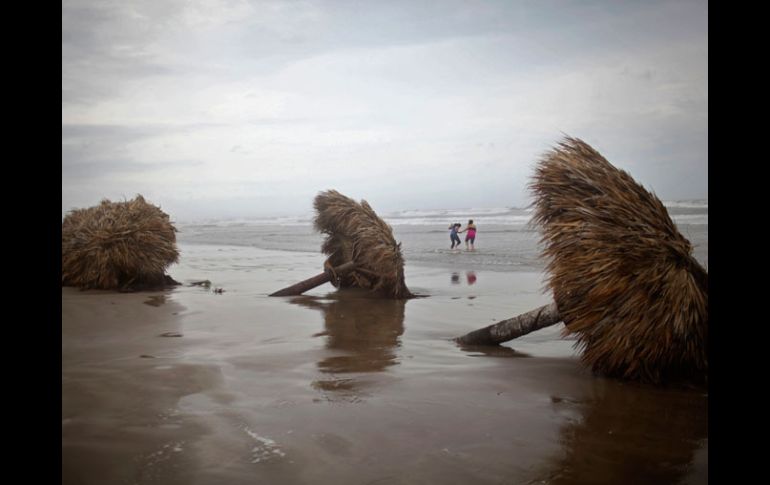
[118,245]
[362,250]
[623,278]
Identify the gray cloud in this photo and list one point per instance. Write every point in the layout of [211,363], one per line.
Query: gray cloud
[76,170]
[412,102]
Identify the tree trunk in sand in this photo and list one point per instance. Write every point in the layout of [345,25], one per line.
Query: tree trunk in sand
[542,317]
[317,280]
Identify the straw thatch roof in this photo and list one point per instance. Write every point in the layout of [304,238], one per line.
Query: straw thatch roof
[118,245]
[623,277]
[355,233]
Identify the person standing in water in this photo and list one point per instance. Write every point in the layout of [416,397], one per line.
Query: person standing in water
[453,235]
[471,236]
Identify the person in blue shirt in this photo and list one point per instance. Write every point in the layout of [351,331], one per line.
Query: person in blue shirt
[453,235]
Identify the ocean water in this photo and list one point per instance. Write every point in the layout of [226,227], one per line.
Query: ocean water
[506,240]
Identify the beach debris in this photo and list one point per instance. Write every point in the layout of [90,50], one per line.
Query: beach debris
[623,278]
[206,284]
[362,250]
[124,246]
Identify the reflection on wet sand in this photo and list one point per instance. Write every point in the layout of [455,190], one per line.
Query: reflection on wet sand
[470,277]
[628,433]
[492,351]
[363,329]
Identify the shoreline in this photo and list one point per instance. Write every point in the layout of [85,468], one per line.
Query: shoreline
[335,387]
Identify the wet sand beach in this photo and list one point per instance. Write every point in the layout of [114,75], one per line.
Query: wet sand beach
[192,386]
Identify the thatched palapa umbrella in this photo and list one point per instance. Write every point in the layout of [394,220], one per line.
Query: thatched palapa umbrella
[623,278]
[362,250]
[118,246]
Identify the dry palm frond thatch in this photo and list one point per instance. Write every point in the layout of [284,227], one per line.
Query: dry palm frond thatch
[118,245]
[355,233]
[623,277]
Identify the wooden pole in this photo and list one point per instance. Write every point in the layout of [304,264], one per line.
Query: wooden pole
[542,317]
[317,280]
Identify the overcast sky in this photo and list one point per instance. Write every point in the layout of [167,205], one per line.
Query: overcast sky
[238,108]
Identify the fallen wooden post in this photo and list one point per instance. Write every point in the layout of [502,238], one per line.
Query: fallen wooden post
[500,332]
[330,274]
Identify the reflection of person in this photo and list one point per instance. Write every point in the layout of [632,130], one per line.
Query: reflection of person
[453,235]
[455,278]
[471,236]
[471,277]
